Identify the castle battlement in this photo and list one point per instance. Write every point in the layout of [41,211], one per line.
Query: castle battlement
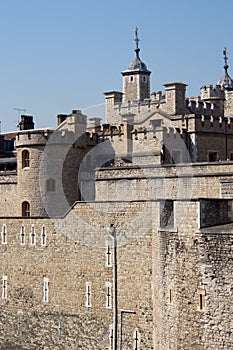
[212,92]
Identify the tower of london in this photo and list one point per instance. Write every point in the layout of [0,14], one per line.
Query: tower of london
[118,233]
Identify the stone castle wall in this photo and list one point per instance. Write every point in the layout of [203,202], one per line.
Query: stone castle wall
[9,195]
[160,273]
[70,259]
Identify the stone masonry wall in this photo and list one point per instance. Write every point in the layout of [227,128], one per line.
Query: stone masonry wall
[74,254]
[187,263]
[9,197]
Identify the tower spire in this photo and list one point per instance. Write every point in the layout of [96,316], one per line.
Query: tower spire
[226,82]
[137,50]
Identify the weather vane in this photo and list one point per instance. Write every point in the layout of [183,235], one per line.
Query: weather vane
[225,55]
[136,37]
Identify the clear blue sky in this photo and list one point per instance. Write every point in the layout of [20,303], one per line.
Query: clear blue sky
[59,55]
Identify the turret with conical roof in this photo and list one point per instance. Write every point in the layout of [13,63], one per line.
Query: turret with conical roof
[226,82]
[136,79]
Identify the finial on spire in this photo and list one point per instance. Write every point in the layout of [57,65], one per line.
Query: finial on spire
[225,57]
[137,42]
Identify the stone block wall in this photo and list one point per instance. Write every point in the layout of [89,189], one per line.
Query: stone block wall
[75,254]
[9,196]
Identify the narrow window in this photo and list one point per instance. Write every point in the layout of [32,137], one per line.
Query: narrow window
[43,236]
[33,235]
[20,316]
[170,295]
[4,240]
[50,185]
[25,159]
[26,209]
[22,235]
[131,78]
[108,256]
[231,156]
[88,294]
[45,290]
[59,328]
[201,299]
[110,337]
[108,295]
[4,287]
[136,338]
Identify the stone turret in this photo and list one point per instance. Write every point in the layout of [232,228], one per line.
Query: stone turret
[136,79]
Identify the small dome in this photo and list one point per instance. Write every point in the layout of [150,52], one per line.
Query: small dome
[138,65]
[226,82]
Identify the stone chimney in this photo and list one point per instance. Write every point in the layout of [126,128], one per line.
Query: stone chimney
[175,98]
[26,122]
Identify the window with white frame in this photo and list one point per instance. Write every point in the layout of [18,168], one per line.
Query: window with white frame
[108,286]
[4,287]
[43,236]
[108,255]
[22,235]
[4,233]
[88,294]
[45,289]
[110,337]
[33,236]
[136,340]
[59,328]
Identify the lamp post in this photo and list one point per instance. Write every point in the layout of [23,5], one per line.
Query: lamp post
[112,232]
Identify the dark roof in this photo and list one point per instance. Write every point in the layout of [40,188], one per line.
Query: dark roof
[226,82]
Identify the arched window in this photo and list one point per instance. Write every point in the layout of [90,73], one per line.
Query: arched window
[25,208]
[50,185]
[25,158]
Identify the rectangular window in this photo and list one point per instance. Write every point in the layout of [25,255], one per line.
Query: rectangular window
[45,289]
[110,337]
[22,235]
[136,338]
[88,294]
[59,328]
[33,235]
[108,255]
[4,238]
[4,287]
[20,316]
[170,295]
[201,300]
[43,236]
[108,286]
